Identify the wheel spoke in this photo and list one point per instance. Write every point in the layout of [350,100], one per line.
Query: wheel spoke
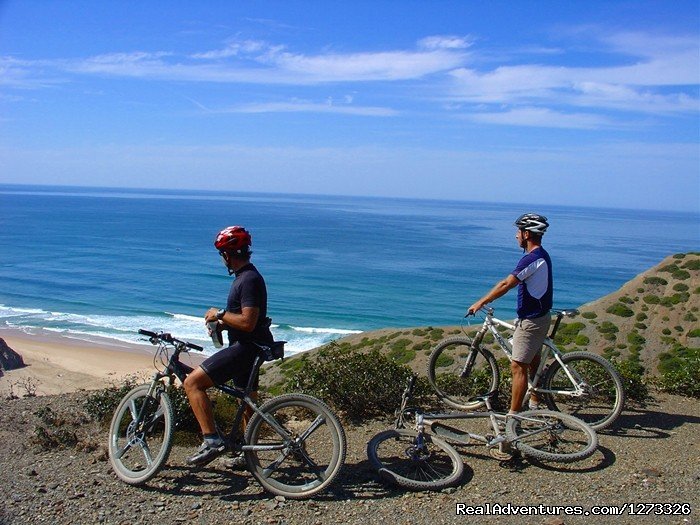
[320,420]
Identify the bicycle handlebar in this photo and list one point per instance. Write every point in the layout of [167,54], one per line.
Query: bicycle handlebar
[167,338]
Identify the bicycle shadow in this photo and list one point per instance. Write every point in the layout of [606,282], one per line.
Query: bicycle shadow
[361,481]
[648,424]
[355,481]
[601,459]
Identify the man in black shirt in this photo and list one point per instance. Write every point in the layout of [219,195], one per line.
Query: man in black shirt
[245,319]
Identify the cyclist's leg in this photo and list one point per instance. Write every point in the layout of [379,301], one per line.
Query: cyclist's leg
[534,365]
[196,385]
[232,362]
[519,386]
[527,342]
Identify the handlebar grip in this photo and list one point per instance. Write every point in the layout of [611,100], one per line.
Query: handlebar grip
[194,347]
[148,333]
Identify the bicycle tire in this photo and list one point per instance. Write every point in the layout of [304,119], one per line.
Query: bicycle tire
[446,369]
[434,466]
[603,403]
[556,436]
[139,449]
[305,466]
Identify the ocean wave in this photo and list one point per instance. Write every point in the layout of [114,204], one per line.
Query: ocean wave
[311,330]
[124,328]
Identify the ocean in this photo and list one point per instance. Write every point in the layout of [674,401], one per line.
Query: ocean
[89,262]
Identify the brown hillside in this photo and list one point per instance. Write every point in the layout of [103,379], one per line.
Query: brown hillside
[648,319]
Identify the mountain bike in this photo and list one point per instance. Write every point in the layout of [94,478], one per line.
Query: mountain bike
[294,445]
[414,459]
[582,384]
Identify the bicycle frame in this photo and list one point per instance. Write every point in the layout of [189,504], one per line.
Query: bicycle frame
[491,325]
[180,370]
[430,419]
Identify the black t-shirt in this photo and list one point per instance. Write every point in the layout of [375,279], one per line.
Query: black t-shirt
[249,290]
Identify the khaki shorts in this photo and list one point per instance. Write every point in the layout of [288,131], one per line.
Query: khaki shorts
[529,336]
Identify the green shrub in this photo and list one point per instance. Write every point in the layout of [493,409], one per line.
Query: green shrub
[693,264]
[567,332]
[681,275]
[401,353]
[635,384]
[620,310]
[690,317]
[101,404]
[674,299]
[635,339]
[655,280]
[357,385]
[626,300]
[682,379]
[651,299]
[641,316]
[606,327]
[695,332]
[640,326]
[589,315]
[680,287]
[436,334]
[581,340]
[666,331]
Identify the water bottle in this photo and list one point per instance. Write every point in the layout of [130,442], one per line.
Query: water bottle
[212,328]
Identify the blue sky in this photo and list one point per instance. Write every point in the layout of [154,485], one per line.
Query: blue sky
[550,102]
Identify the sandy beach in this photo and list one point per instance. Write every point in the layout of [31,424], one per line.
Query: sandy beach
[57,364]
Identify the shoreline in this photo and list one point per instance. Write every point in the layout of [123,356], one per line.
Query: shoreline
[56,364]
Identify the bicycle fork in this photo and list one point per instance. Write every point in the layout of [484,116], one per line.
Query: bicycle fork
[471,358]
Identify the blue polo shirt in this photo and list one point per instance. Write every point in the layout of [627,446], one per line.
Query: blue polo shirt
[535,291]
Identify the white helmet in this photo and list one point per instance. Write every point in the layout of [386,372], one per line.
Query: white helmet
[532,222]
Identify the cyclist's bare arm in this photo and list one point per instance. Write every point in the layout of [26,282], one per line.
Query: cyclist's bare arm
[245,321]
[501,288]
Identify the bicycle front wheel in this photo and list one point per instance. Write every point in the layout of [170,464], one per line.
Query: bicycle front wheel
[302,446]
[551,436]
[140,435]
[415,461]
[601,398]
[458,373]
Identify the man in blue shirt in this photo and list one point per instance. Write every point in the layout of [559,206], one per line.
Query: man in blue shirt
[533,277]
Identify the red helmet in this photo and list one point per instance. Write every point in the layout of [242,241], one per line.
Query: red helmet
[234,239]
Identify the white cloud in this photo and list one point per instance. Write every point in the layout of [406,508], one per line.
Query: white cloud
[655,79]
[395,65]
[541,117]
[445,42]
[233,48]
[310,107]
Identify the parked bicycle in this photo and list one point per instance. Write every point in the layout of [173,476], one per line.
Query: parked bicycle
[293,445]
[582,384]
[414,459]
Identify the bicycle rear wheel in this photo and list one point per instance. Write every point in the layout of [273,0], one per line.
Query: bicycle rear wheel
[603,395]
[309,459]
[551,436]
[140,435]
[415,461]
[457,373]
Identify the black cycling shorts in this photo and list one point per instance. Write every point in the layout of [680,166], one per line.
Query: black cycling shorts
[234,362]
